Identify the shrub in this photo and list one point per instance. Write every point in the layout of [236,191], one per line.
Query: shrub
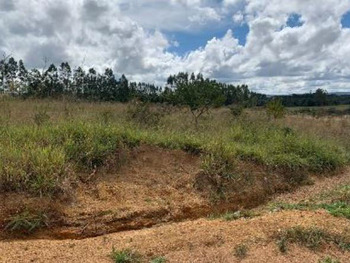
[142,113]
[106,116]
[41,117]
[125,256]
[217,164]
[237,110]
[275,108]
[241,251]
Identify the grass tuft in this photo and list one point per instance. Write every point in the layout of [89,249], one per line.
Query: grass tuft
[125,256]
[312,238]
[27,222]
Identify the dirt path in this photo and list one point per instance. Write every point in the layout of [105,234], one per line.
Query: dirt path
[320,185]
[193,241]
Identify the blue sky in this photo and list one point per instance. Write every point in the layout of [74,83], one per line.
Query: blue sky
[273,46]
[345,21]
[189,41]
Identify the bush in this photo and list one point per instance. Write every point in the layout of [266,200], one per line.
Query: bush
[217,164]
[41,117]
[125,256]
[237,110]
[241,251]
[142,113]
[275,108]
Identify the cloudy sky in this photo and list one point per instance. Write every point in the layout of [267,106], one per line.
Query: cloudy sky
[275,46]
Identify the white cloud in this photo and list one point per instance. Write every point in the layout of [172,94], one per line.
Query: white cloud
[130,37]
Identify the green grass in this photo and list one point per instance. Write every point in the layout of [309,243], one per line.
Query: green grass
[158,260]
[37,156]
[125,256]
[336,202]
[328,260]
[27,222]
[312,238]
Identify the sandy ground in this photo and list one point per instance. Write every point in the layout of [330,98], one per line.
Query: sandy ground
[201,240]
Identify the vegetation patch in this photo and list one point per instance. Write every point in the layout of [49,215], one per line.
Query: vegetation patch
[336,202]
[312,238]
[241,251]
[125,256]
[328,260]
[158,260]
[27,222]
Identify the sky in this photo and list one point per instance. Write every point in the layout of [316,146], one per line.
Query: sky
[274,46]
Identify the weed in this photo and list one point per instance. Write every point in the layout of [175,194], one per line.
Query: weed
[229,216]
[41,117]
[125,256]
[217,164]
[106,116]
[241,251]
[237,110]
[328,260]
[311,238]
[27,222]
[158,260]
[142,113]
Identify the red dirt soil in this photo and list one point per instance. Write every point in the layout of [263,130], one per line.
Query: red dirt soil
[142,205]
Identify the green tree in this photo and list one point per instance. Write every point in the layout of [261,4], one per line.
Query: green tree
[321,97]
[199,95]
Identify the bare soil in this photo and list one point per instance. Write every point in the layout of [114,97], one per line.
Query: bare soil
[158,205]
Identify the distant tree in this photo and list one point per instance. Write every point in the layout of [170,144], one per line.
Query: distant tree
[124,91]
[65,75]
[11,74]
[109,90]
[35,87]
[52,85]
[321,97]
[23,77]
[79,84]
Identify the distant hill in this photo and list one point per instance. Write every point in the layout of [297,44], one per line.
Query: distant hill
[340,93]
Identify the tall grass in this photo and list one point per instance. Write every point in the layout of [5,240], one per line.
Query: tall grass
[39,158]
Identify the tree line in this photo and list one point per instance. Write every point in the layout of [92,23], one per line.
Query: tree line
[56,82]
[182,88]
[319,98]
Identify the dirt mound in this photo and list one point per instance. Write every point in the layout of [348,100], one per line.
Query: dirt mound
[154,186]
